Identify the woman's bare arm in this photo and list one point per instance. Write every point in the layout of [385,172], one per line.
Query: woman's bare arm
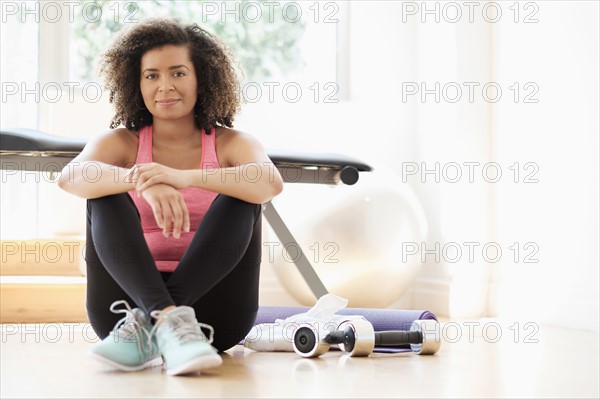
[101,167]
[248,173]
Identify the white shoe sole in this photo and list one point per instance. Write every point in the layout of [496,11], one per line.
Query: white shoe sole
[196,365]
[155,361]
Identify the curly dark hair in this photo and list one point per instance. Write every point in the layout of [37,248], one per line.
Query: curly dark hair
[218,99]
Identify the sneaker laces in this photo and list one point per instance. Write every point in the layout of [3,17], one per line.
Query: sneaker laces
[129,327]
[184,330]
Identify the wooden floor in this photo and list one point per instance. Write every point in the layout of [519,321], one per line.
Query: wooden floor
[49,361]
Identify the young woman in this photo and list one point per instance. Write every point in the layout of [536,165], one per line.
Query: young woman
[174,204]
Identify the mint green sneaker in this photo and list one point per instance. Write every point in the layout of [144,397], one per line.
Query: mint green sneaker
[182,343]
[130,346]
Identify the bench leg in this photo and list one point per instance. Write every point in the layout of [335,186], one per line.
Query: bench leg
[283,233]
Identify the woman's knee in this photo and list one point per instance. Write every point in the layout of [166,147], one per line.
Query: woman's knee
[229,201]
[109,201]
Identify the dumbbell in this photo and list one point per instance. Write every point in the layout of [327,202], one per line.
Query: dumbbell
[308,340]
[357,338]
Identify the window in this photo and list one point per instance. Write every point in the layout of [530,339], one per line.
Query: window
[265,37]
[49,80]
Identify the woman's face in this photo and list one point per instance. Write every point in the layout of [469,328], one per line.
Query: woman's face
[168,82]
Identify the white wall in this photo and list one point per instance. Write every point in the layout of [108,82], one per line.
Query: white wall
[560,134]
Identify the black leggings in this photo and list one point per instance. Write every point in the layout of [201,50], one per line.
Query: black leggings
[218,275]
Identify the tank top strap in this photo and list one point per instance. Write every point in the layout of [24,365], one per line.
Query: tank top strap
[209,150]
[144,154]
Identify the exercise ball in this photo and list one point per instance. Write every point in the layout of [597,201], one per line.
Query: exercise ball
[353,237]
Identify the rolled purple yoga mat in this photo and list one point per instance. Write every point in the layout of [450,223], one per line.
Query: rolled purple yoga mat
[382,319]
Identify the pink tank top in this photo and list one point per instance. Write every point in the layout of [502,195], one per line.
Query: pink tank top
[168,251]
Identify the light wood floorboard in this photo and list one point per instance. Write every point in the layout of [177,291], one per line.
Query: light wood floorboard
[48,360]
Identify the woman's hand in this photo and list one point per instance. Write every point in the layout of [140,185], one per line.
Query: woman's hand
[148,174]
[169,209]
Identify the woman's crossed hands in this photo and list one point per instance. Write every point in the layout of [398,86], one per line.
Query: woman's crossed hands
[158,184]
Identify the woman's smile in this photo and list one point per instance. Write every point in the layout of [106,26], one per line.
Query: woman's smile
[168,102]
